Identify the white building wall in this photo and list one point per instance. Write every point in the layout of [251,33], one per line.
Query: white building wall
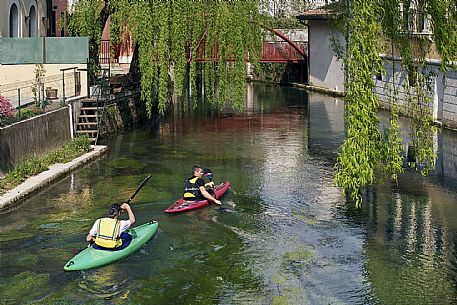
[443,90]
[325,70]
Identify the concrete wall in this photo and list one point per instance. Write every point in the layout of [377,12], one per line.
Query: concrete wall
[37,135]
[325,70]
[24,10]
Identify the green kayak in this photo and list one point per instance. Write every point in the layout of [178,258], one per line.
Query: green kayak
[92,258]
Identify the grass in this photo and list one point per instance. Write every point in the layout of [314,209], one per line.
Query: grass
[35,165]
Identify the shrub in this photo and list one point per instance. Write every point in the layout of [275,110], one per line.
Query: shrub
[24,114]
[6,108]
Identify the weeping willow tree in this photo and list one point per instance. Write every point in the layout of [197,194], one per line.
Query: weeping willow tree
[369,155]
[171,35]
[165,30]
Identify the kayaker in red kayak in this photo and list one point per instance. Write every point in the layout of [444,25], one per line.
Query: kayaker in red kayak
[109,232]
[195,187]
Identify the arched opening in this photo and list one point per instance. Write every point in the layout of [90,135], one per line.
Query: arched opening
[14,21]
[33,22]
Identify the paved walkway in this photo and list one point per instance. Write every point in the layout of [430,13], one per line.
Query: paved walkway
[56,171]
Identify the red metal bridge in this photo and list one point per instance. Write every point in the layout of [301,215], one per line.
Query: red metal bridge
[280,50]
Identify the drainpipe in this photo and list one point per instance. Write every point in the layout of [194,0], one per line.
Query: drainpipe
[70,109]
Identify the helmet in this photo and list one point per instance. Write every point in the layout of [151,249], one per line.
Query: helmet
[208,173]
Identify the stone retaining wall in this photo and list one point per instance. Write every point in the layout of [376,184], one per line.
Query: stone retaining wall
[124,110]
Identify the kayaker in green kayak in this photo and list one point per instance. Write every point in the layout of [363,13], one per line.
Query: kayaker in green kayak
[194,188]
[108,233]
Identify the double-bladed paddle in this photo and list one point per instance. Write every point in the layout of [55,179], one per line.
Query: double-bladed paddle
[76,251]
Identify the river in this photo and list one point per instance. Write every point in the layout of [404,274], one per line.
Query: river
[285,234]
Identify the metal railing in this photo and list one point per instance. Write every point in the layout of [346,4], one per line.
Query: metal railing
[108,52]
[104,91]
[43,92]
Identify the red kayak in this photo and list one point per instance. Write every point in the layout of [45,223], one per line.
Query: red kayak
[182,206]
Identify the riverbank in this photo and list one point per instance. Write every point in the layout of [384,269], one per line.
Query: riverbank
[38,182]
[313,88]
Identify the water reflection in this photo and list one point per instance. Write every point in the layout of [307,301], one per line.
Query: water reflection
[409,253]
[106,283]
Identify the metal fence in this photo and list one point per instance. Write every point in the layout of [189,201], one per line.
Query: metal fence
[46,93]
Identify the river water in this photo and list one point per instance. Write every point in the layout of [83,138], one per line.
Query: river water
[285,234]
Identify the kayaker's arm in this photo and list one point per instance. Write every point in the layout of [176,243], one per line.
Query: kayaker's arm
[127,207]
[208,195]
[90,238]
[93,232]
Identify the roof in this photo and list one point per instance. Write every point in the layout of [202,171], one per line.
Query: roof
[330,11]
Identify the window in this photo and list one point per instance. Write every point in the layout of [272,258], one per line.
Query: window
[14,21]
[62,24]
[415,18]
[53,24]
[33,22]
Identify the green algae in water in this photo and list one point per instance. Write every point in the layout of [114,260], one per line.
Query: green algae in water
[15,235]
[141,150]
[293,290]
[308,219]
[154,195]
[63,223]
[21,259]
[279,279]
[297,295]
[58,254]
[183,155]
[115,189]
[301,254]
[126,163]
[280,300]
[167,180]
[61,296]
[25,285]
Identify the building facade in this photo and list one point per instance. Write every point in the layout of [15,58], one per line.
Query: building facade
[325,70]
[24,18]
[59,17]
